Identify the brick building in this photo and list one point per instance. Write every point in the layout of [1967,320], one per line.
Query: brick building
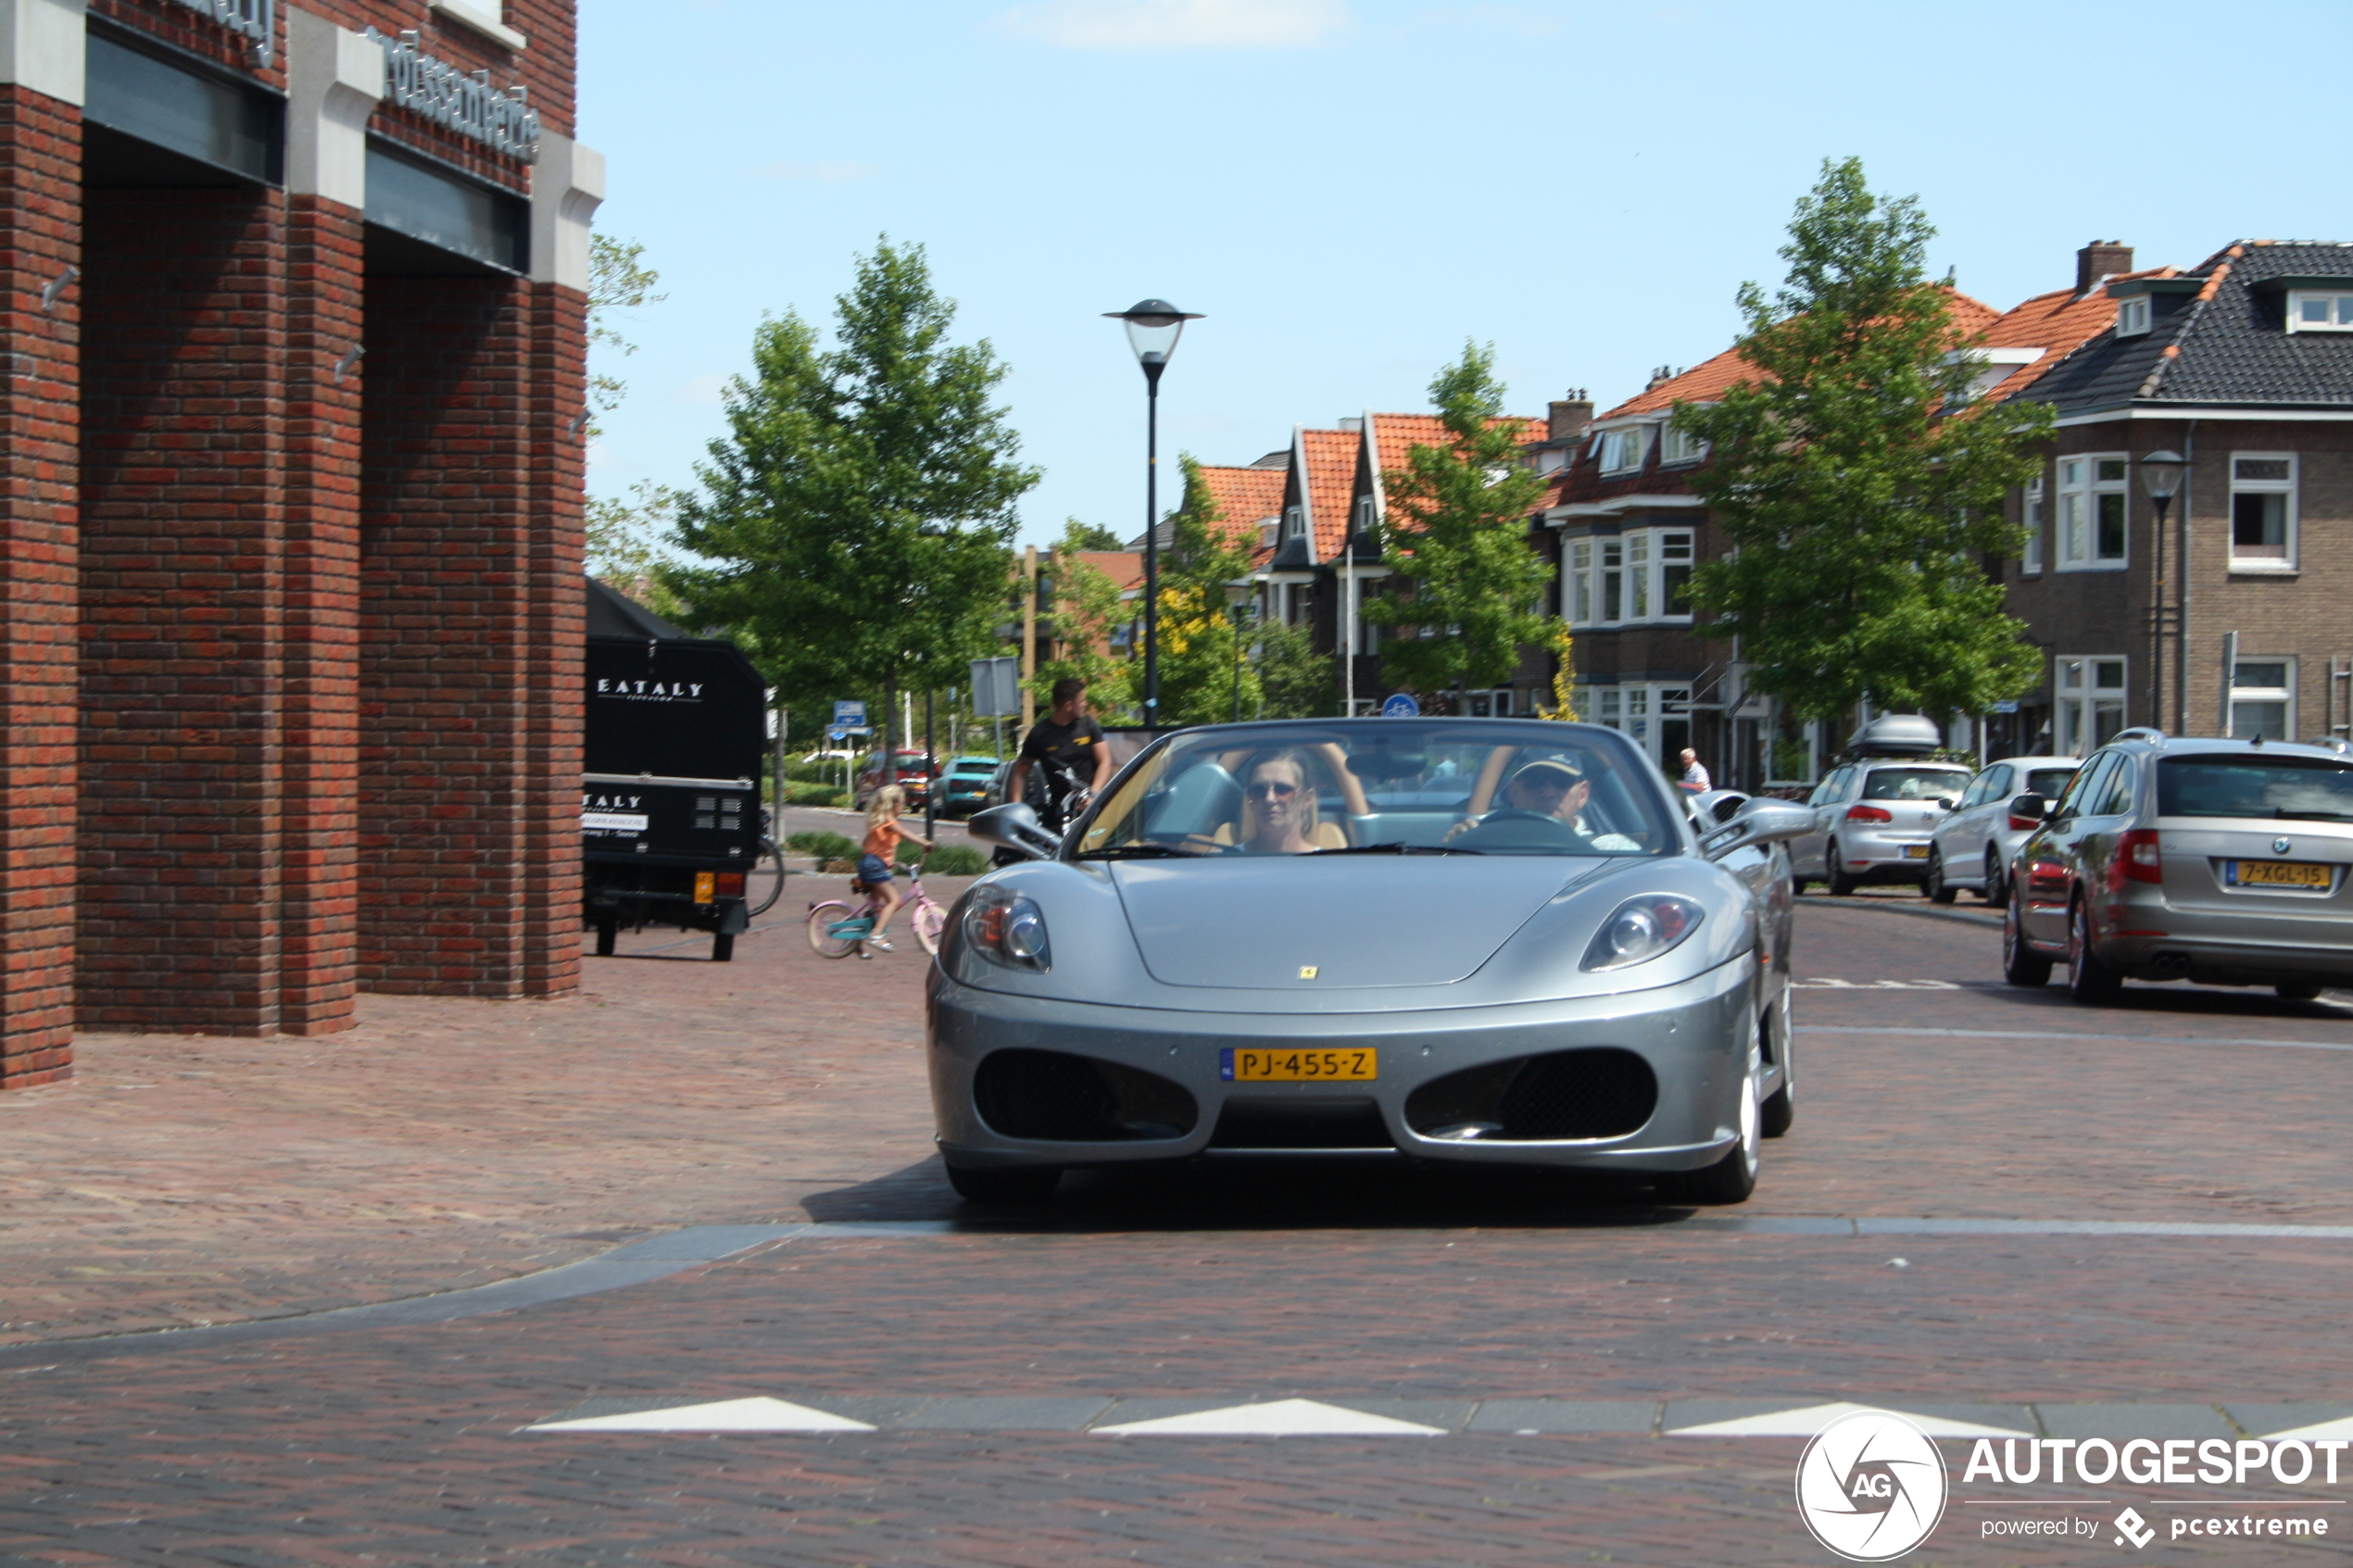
[291,578]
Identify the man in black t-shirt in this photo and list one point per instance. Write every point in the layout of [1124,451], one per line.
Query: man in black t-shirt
[1069,739]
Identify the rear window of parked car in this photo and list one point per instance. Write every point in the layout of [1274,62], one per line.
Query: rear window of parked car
[2048,782]
[1914,784]
[2305,788]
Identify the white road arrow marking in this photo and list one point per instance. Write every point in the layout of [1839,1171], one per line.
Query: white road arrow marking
[757,1414]
[1805,1422]
[1276,1418]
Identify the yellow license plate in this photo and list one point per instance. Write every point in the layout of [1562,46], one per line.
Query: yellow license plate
[1915,851]
[1347,1064]
[2280,874]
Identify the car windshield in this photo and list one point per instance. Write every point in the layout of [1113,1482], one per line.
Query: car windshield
[2048,782]
[2312,788]
[1914,784]
[1387,785]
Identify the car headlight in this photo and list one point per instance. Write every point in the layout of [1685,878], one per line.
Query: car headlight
[1008,929]
[1640,929]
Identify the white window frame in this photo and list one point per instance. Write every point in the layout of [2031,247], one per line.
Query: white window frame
[2030,560]
[1366,513]
[2080,696]
[1294,522]
[1677,447]
[2132,316]
[2287,487]
[2283,694]
[2081,492]
[1624,449]
[1640,562]
[2337,305]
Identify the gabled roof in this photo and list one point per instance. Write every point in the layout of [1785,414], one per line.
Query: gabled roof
[2059,322]
[1327,459]
[2227,344]
[1393,438]
[1244,498]
[1707,382]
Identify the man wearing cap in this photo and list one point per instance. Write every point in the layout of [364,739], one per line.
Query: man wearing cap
[1554,788]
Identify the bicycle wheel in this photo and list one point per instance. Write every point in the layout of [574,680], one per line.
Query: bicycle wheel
[765,883]
[836,929]
[928,922]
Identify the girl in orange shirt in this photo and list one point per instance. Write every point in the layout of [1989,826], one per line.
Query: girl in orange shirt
[880,853]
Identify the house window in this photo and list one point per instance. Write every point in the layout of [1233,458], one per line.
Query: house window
[1643,575]
[2031,561]
[1675,574]
[2091,703]
[2263,698]
[2319,310]
[2094,501]
[1613,581]
[1638,577]
[1295,522]
[1580,583]
[1363,514]
[1623,450]
[1680,447]
[2263,512]
[2132,316]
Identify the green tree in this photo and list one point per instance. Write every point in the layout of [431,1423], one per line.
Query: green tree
[1859,494]
[1087,610]
[1090,536]
[618,280]
[1294,680]
[855,523]
[1200,653]
[1455,541]
[625,544]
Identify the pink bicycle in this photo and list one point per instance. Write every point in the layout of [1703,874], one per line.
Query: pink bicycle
[838,928]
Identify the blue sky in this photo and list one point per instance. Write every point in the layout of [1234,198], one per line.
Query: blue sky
[1348,189]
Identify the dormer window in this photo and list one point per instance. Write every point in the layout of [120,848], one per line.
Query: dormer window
[1295,522]
[1622,450]
[1363,514]
[2132,316]
[1680,447]
[2317,310]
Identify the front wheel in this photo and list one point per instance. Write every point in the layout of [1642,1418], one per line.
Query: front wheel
[1935,887]
[1732,1178]
[765,883]
[836,929]
[2088,980]
[928,922]
[2021,965]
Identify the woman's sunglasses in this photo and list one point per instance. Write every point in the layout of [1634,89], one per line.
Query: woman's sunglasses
[1261,791]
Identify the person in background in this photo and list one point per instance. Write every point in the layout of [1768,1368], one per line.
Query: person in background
[1068,738]
[1695,776]
[878,854]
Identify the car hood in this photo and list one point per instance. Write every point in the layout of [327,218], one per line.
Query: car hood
[1267,924]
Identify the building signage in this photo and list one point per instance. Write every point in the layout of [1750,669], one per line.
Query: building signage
[501,120]
[257,19]
[650,691]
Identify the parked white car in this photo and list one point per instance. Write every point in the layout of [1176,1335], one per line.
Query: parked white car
[1974,846]
[1873,821]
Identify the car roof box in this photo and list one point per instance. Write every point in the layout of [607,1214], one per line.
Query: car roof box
[1895,734]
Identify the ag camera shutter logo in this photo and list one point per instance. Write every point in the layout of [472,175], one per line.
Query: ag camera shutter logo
[1872,1486]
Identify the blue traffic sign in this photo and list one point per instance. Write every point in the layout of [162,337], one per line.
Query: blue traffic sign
[1401,704]
[849,715]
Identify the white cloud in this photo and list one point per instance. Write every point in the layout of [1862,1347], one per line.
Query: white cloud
[701,392]
[1178,24]
[824,174]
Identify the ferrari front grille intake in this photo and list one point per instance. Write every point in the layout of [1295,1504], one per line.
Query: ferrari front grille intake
[1056,1097]
[1601,1092]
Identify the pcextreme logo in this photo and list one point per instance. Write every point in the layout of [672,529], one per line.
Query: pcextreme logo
[1872,1486]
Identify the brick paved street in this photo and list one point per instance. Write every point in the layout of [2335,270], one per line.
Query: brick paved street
[1929,1090]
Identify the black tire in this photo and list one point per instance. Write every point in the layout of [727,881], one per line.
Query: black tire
[765,883]
[1777,1115]
[2021,965]
[1732,1178]
[1841,885]
[1998,886]
[1019,1183]
[2298,993]
[1933,885]
[2088,980]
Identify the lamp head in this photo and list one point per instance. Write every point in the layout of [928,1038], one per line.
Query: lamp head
[1153,327]
[2162,474]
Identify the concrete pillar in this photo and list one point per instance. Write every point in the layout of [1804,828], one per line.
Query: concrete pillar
[41,94]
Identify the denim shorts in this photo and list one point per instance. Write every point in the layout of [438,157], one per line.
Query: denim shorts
[872,871]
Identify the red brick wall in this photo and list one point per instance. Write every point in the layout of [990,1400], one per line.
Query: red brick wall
[40,236]
[319,917]
[444,637]
[182,574]
[557,610]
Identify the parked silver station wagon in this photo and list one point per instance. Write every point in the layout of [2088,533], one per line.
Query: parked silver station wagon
[1457,939]
[2225,862]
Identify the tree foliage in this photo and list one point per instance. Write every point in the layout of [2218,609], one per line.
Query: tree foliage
[618,280]
[1860,496]
[1200,654]
[855,523]
[1455,541]
[1087,610]
[1294,680]
[1090,536]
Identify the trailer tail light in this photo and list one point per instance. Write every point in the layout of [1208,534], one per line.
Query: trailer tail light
[2137,858]
[731,884]
[706,886]
[1869,814]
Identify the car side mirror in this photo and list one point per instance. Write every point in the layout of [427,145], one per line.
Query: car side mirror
[1760,821]
[2032,808]
[1944,802]
[1014,826]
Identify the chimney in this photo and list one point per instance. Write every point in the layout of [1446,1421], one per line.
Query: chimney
[2101,258]
[1570,416]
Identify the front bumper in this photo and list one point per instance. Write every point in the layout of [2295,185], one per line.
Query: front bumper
[1696,1038]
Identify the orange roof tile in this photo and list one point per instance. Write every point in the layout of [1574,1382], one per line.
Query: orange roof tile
[1395,437]
[1124,568]
[1244,498]
[2060,321]
[1329,457]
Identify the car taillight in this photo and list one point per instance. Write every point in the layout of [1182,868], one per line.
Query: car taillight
[1869,814]
[2136,858]
[2024,824]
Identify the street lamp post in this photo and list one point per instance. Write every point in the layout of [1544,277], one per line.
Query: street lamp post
[2161,477]
[1153,327]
